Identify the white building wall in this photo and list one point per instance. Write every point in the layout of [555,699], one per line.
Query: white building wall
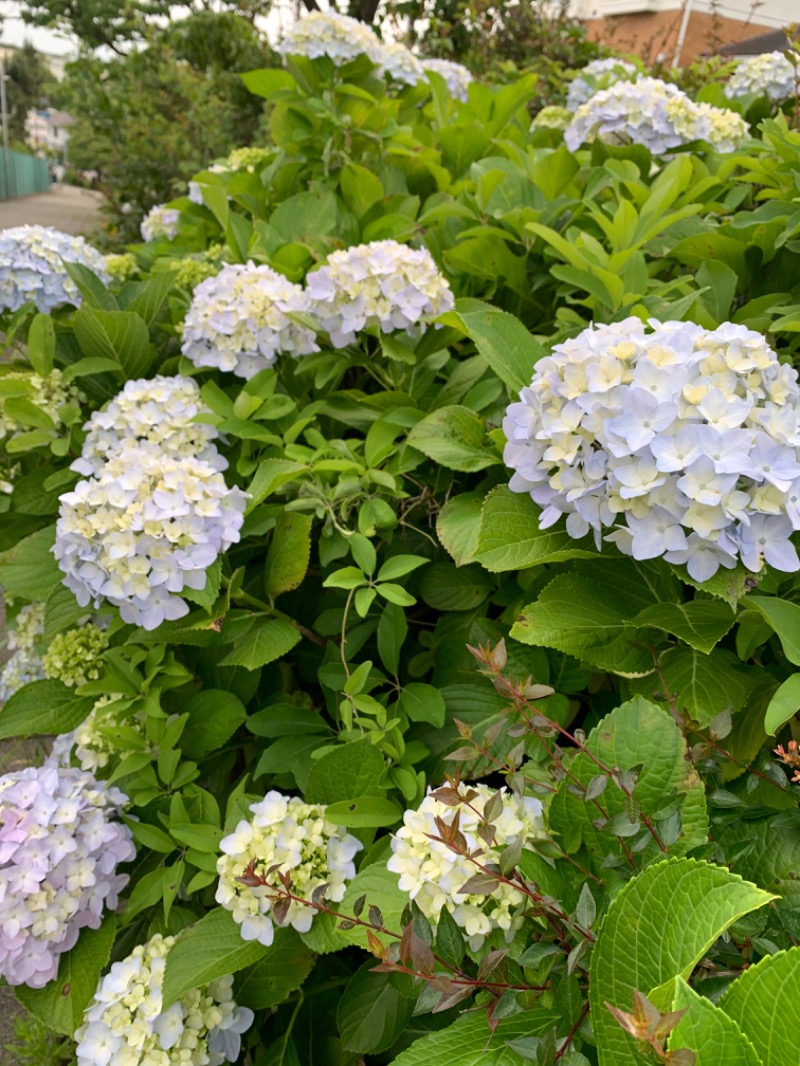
[777,13]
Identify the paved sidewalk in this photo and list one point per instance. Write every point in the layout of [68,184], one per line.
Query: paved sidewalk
[65,207]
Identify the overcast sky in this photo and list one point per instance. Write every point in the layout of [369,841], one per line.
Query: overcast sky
[15,31]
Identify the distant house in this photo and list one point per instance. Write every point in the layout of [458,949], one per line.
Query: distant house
[47,131]
[681,29]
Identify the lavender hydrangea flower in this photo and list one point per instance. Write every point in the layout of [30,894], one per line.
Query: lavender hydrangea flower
[25,664]
[59,852]
[683,443]
[32,267]
[456,76]
[327,33]
[598,75]
[160,221]
[241,320]
[383,285]
[770,74]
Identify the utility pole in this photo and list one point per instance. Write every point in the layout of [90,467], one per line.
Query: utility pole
[4,119]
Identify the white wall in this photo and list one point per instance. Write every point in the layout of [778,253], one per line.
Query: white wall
[778,13]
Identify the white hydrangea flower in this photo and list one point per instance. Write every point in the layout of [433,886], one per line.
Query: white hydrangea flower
[47,392]
[160,221]
[458,78]
[400,63]
[770,74]
[160,411]
[598,75]
[59,851]
[655,114]
[327,33]
[241,320]
[382,285]
[295,837]
[32,268]
[125,1025]
[683,441]
[25,664]
[432,874]
[145,528]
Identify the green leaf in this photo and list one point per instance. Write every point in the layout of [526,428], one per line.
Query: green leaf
[510,538]
[208,950]
[267,640]
[289,553]
[29,569]
[450,944]
[281,970]
[501,339]
[360,188]
[372,1014]
[423,703]
[268,82]
[784,617]
[657,928]
[61,1003]
[392,631]
[61,612]
[447,588]
[701,623]
[90,364]
[784,705]
[470,1042]
[43,707]
[214,716]
[399,566]
[119,335]
[364,812]
[91,288]
[41,344]
[149,300]
[207,596]
[706,685]
[708,1031]
[765,1003]
[348,770]
[458,525]
[637,734]
[455,437]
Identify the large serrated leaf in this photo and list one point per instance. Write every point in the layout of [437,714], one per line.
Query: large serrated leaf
[455,437]
[43,707]
[765,1004]
[701,623]
[29,569]
[510,537]
[715,1038]
[470,1042]
[658,928]
[289,553]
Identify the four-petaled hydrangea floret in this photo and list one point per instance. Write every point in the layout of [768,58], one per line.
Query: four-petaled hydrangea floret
[126,1025]
[161,221]
[73,657]
[47,392]
[400,63]
[32,267]
[25,663]
[241,320]
[598,75]
[433,874]
[326,33]
[770,74]
[655,114]
[382,285]
[458,78]
[683,441]
[294,837]
[145,528]
[552,118]
[59,852]
[90,744]
[159,411]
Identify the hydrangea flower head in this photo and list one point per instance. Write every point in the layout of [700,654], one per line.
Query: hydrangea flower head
[433,874]
[400,63]
[770,74]
[241,321]
[89,743]
[125,1025]
[552,118]
[294,837]
[158,411]
[25,663]
[47,392]
[456,76]
[73,657]
[121,267]
[59,852]
[383,285]
[32,267]
[598,75]
[147,526]
[327,33]
[655,114]
[160,221]
[682,442]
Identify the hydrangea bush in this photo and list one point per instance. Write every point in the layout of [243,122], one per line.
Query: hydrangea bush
[32,267]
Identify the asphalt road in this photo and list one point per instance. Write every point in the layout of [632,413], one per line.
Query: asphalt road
[64,207]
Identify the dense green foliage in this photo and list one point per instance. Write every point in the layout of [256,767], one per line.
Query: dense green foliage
[394,619]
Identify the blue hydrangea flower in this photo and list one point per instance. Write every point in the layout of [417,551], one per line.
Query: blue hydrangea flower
[32,267]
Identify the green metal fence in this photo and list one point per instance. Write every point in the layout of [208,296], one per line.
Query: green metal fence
[22,175]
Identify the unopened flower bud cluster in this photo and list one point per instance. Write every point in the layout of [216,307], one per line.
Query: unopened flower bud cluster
[598,75]
[655,114]
[143,529]
[770,74]
[160,221]
[433,874]
[683,441]
[59,852]
[73,657]
[552,118]
[456,76]
[125,1024]
[159,412]
[121,267]
[25,664]
[47,392]
[32,267]
[295,837]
